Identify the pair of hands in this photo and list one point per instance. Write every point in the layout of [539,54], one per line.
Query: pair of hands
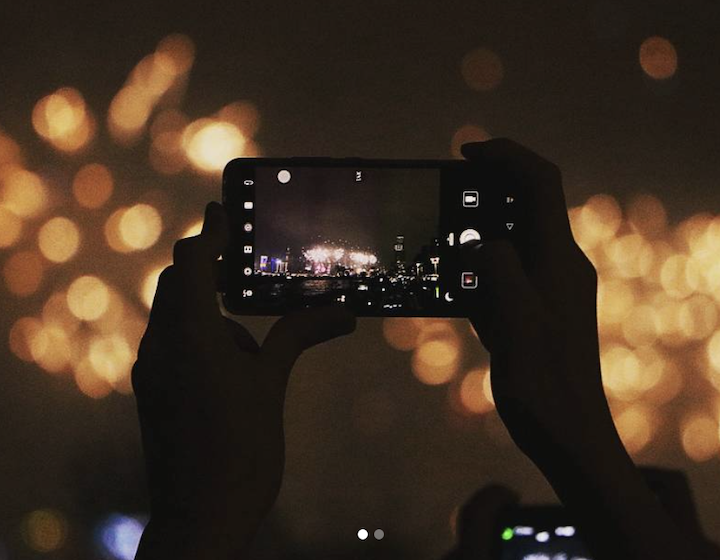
[210,398]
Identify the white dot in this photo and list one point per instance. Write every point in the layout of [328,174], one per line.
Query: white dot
[362,534]
[379,534]
[248,205]
[542,536]
[248,227]
[284,176]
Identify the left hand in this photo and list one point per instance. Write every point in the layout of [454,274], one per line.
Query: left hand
[210,402]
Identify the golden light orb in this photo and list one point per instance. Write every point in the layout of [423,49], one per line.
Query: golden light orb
[669,384]
[463,135]
[23,193]
[473,394]
[56,312]
[115,315]
[154,76]
[21,337]
[140,227]
[175,53]
[149,285]
[621,373]
[23,273]
[679,276]
[647,215]
[112,231]
[50,349]
[640,326]
[93,185]
[89,382]
[210,144]
[128,114]
[63,119]
[44,530]
[88,298]
[652,367]
[59,239]
[111,357]
[436,361]
[401,333]
[635,427]
[244,115]
[668,320]
[10,228]
[699,433]
[615,299]
[698,317]
[658,58]
[599,220]
[482,69]
[9,150]
[630,254]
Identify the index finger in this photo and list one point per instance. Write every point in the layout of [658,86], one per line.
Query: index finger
[195,258]
[537,186]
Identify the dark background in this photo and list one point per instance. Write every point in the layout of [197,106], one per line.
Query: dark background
[369,79]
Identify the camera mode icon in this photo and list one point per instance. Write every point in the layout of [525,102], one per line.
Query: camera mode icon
[471,199]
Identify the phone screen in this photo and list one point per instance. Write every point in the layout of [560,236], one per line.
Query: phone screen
[377,236]
[539,533]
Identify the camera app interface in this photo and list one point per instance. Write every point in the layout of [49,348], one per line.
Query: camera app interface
[366,238]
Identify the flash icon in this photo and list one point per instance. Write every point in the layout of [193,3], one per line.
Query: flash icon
[358,176]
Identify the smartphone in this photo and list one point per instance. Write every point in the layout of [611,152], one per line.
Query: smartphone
[548,532]
[538,533]
[380,237]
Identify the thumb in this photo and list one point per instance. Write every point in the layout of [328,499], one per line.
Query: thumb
[504,307]
[301,329]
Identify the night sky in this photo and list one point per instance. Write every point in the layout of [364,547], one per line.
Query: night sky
[327,204]
[368,79]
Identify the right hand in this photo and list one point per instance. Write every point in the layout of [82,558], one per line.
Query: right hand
[535,312]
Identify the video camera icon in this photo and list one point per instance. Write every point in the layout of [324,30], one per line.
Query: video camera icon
[471,199]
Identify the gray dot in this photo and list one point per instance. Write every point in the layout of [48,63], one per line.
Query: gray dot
[379,534]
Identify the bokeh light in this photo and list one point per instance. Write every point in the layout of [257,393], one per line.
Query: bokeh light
[45,530]
[401,333]
[149,285]
[475,392]
[699,433]
[482,69]
[93,185]
[210,144]
[59,239]
[21,337]
[111,357]
[658,58]
[436,361]
[140,226]
[63,119]
[23,192]
[89,382]
[118,536]
[88,298]
[635,427]
[10,228]
[23,273]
